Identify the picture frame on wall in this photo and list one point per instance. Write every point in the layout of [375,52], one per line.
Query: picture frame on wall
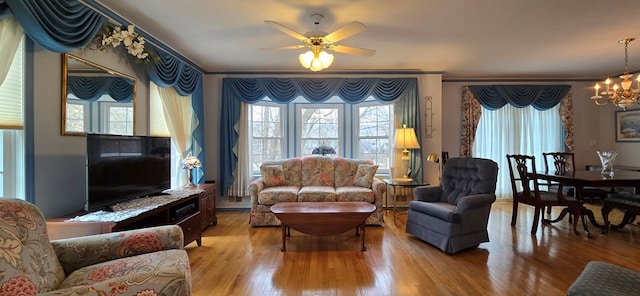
[628,126]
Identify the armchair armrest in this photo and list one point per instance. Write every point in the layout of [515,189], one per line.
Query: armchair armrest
[475,201]
[427,193]
[78,252]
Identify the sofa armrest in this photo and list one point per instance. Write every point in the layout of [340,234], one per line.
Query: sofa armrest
[427,193]
[475,201]
[379,188]
[78,252]
[254,189]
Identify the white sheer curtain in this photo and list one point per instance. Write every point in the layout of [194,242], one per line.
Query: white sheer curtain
[181,121]
[243,169]
[511,130]
[10,35]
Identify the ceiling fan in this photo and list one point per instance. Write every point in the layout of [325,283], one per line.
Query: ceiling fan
[317,42]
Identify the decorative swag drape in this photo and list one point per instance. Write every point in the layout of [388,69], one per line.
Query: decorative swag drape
[493,97]
[64,25]
[92,88]
[285,90]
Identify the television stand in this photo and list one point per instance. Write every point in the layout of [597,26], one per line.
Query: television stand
[193,209]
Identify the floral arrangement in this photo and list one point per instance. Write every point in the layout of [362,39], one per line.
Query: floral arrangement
[123,35]
[323,149]
[191,162]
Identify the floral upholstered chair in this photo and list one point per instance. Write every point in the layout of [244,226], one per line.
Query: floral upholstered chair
[139,262]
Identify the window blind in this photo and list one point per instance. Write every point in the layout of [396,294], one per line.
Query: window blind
[12,92]
[157,124]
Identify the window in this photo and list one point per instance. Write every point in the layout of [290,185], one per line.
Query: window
[319,125]
[373,126]
[356,131]
[511,130]
[11,129]
[117,118]
[265,134]
[157,123]
[77,115]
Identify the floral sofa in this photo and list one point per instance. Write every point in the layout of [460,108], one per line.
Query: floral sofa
[139,262]
[318,179]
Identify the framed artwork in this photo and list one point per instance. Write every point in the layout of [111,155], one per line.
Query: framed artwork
[628,126]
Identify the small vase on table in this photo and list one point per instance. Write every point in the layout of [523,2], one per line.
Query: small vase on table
[190,163]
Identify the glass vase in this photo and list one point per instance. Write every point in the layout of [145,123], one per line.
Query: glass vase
[606,159]
[189,178]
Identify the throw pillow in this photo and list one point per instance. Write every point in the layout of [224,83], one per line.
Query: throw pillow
[272,175]
[364,175]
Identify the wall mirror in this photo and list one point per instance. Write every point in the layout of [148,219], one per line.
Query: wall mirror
[96,99]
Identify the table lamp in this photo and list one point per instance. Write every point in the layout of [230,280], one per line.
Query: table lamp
[406,139]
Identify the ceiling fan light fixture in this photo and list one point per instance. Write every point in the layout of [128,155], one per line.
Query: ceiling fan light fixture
[316,60]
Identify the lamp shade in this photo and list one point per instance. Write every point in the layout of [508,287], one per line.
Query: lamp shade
[406,138]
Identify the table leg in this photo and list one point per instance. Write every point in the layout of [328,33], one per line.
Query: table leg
[582,211]
[284,238]
[363,248]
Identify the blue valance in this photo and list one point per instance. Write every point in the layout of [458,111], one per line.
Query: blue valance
[170,71]
[92,88]
[285,90]
[541,97]
[57,25]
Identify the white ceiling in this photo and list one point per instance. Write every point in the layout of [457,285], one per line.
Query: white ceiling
[464,39]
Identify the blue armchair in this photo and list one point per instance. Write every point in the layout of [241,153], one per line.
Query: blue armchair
[453,216]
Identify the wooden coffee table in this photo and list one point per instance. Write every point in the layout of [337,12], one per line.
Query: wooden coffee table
[322,218]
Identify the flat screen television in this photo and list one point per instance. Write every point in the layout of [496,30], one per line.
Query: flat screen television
[121,168]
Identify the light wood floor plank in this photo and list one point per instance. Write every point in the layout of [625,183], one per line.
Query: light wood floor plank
[237,259]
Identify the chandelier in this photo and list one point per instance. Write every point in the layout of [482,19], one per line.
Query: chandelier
[622,96]
[316,59]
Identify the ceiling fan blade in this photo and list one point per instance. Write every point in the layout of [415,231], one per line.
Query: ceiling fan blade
[346,31]
[352,50]
[283,47]
[286,30]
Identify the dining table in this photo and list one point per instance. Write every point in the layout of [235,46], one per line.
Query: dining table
[579,179]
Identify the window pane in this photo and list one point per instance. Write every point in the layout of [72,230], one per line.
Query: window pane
[374,127]
[75,117]
[319,126]
[120,120]
[266,134]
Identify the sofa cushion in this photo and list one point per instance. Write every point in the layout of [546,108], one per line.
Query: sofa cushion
[440,210]
[364,175]
[345,170]
[291,168]
[355,193]
[135,275]
[274,195]
[317,171]
[317,193]
[272,175]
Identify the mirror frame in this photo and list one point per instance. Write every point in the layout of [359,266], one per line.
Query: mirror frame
[65,69]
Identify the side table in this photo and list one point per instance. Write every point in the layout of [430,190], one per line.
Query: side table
[399,183]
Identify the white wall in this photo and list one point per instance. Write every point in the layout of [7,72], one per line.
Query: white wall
[60,173]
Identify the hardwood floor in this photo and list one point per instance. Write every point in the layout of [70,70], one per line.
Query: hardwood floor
[237,259]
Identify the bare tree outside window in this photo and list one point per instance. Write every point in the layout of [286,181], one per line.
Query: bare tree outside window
[374,127]
[319,126]
[267,138]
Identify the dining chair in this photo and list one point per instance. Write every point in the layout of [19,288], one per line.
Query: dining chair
[445,157]
[564,162]
[526,190]
[627,202]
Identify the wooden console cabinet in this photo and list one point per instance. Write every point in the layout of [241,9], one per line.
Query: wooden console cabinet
[192,213]
[208,205]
